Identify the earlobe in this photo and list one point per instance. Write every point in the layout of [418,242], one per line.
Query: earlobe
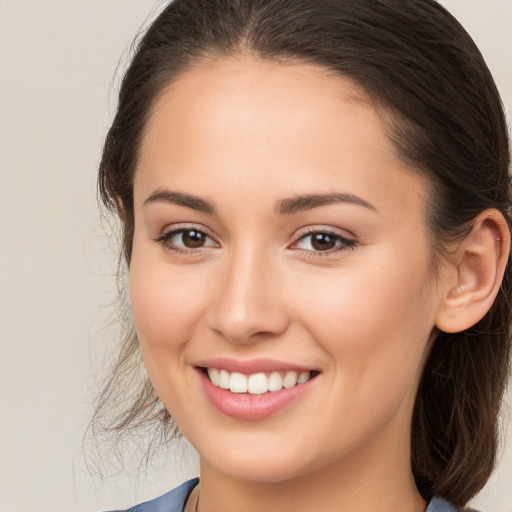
[475,273]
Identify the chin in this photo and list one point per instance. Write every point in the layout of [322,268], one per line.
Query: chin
[261,460]
[257,471]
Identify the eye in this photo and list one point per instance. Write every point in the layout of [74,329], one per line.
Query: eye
[186,240]
[323,241]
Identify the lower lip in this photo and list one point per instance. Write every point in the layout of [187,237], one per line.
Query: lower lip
[244,406]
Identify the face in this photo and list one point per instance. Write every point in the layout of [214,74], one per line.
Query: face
[280,251]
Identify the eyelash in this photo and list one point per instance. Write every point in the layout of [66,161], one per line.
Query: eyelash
[343,243]
[165,241]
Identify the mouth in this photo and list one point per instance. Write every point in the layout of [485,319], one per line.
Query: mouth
[256,389]
[257,383]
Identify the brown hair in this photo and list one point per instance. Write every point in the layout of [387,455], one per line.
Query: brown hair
[416,62]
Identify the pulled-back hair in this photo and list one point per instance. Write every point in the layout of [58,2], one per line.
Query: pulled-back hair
[445,119]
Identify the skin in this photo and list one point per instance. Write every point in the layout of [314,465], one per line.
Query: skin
[363,315]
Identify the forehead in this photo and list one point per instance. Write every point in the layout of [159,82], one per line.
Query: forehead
[247,121]
[268,94]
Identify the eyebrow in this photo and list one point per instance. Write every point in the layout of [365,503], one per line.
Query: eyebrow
[310,201]
[284,207]
[193,202]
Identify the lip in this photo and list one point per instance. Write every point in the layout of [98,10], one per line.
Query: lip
[252,366]
[244,406]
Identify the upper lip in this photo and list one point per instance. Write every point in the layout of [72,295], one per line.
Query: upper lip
[251,366]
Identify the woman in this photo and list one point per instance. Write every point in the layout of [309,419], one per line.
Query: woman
[315,204]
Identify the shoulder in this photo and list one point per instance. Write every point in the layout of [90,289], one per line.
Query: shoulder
[172,501]
[438,504]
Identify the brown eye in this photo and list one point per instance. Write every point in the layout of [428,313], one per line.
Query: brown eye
[183,240]
[322,241]
[193,239]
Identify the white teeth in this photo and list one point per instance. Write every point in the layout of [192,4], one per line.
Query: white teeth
[214,375]
[303,377]
[290,380]
[223,379]
[257,383]
[238,383]
[275,382]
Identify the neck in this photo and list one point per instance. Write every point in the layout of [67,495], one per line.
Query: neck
[365,483]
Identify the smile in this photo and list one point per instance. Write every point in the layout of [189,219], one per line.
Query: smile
[257,383]
[257,389]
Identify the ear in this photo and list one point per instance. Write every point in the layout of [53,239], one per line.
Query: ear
[475,273]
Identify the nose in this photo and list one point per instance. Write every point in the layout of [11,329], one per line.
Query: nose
[248,305]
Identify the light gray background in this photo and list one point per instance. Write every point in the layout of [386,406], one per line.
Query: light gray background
[57,63]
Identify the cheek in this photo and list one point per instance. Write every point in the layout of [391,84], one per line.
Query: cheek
[165,302]
[373,320]
[166,307]
[374,327]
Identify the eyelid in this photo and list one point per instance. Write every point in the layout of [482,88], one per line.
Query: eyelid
[323,228]
[347,242]
[174,229]
[184,226]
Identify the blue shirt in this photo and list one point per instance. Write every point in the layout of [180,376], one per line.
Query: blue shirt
[175,500]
